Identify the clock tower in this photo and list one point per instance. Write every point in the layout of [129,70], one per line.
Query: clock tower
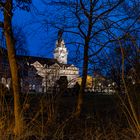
[60,52]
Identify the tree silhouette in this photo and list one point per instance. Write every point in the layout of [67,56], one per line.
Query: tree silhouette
[7,10]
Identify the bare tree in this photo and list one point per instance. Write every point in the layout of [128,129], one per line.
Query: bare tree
[89,21]
[7,9]
[20,41]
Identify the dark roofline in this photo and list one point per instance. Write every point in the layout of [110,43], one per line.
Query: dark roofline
[32,59]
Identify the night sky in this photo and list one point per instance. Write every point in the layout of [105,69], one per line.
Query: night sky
[39,39]
[41,36]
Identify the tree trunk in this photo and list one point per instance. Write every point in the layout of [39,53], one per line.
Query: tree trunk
[83,84]
[85,63]
[13,66]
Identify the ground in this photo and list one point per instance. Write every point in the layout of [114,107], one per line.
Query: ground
[102,116]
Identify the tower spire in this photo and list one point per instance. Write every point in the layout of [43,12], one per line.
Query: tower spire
[60,33]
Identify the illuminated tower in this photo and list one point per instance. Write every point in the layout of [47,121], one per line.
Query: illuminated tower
[60,52]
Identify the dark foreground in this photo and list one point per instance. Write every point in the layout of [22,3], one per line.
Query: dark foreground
[102,118]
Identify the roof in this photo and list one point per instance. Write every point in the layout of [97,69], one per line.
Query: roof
[65,65]
[32,59]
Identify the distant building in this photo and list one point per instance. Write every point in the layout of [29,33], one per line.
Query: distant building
[99,84]
[39,74]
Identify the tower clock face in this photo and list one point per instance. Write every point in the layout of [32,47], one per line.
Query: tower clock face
[62,51]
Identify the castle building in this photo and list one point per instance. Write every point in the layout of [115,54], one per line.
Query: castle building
[51,72]
[40,74]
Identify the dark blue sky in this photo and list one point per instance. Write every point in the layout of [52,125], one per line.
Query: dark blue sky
[41,37]
[39,40]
